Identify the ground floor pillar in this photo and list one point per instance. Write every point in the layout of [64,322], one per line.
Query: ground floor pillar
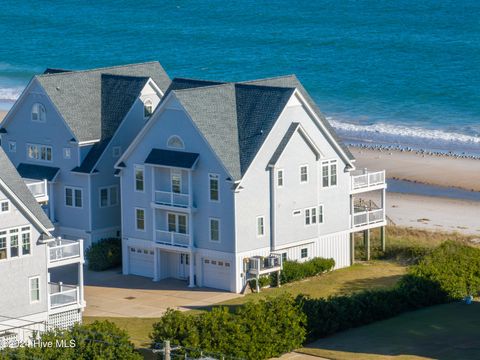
[191,264]
[383,238]
[366,240]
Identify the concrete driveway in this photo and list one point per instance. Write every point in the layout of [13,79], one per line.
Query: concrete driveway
[111,294]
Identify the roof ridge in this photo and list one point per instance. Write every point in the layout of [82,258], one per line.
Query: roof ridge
[196,79]
[266,86]
[268,78]
[204,87]
[98,69]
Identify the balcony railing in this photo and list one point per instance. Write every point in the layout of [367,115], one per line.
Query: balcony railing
[263,265]
[63,295]
[368,179]
[172,198]
[173,238]
[38,189]
[62,249]
[368,217]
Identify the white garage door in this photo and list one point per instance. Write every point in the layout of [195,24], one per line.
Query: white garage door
[216,274]
[141,261]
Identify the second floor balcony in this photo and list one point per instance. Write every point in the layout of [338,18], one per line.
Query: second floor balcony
[62,252]
[172,238]
[171,198]
[259,265]
[38,190]
[61,295]
[364,180]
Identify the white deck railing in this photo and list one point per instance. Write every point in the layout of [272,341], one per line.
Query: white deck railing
[173,238]
[172,199]
[38,189]
[260,264]
[368,217]
[368,179]
[62,249]
[63,295]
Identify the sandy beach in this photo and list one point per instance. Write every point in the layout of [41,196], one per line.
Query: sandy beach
[434,170]
[2,114]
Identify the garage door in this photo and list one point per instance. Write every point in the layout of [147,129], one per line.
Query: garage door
[141,261]
[216,274]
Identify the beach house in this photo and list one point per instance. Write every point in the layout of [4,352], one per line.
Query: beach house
[65,133]
[33,294]
[226,181]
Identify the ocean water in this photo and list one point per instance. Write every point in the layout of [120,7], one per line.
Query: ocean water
[395,71]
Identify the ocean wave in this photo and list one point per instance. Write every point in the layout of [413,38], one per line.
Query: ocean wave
[390,133]
[10,94]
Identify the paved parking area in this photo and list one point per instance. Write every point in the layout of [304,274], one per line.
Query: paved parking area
[111,294]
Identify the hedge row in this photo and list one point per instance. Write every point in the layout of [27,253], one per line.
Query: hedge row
[294,271]
[99,340]
[104,254]
[256,330]
[337,313]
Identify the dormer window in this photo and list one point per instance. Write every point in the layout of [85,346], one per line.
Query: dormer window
[38,113]
[175,142]
[147,108]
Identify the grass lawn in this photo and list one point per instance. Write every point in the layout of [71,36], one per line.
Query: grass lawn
[440,332]
[355,278]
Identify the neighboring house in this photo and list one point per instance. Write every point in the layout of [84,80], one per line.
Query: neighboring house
[227,180]
[67,130]
[29,257]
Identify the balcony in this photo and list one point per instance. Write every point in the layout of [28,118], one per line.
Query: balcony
[173,238]
[169,198]
[364,180]
[38,190]
[62,252]
[61,295]
[363,218]
[259,265]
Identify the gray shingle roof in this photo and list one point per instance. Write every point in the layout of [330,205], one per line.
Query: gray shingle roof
[179,159]
[235,119]
[37,172]
[14,182]
[118,93]
[77,94]
[292,81]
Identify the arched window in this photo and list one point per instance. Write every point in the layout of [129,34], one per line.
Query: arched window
[38,112]
[175,142]
[147,108]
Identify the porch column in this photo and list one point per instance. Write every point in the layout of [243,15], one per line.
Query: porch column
[382,237]
[80,283]
[192,270]
[366,239]
[352,248]
[155,265]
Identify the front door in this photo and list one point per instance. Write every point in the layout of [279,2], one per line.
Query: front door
[184,262]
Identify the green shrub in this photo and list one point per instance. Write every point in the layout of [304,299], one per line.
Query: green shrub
[294,271]
[264,281]
[454,266]
[256,330]
[337,313]
[99,340]
[104,254]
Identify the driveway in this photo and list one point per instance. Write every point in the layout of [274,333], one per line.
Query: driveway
[111,294]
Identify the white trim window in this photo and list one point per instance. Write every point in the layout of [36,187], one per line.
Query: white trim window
[329,173]
[14,246]
[214,229]
[38,113]
[34,289]
[260,226]
[320,214]
[280,178]
[304,173]
[214,187]
[12,146]
[3,245]
[67,153]
[175,142]
[73,197]
[4,206]
[108,196]
[147,108]
[311,216]
[304,253]
[176,181]
[39,152]
[177,223]
[116,151]
[140,219]
[26,240]
[139,174]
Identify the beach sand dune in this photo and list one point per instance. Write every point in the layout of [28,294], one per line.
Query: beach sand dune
[434,170]
[434,213]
